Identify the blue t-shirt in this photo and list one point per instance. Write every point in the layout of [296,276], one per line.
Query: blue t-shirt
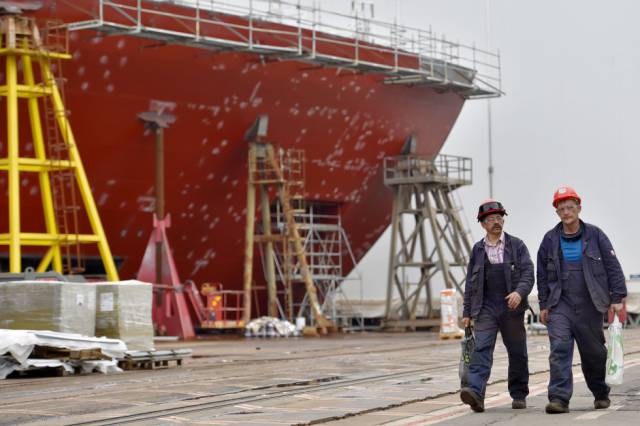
[571,250]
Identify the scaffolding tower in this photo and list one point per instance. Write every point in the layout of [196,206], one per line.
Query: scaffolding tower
[56,160]
[326,247]
[429,244]
[277,174]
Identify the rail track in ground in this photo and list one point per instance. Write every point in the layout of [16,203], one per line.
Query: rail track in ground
[273,392]
[263,375]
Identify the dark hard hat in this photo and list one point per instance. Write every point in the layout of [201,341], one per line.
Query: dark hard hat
[490,206]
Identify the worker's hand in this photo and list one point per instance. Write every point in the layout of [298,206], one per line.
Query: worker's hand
[544,316]
[617,307]
[466,322]
[513,299]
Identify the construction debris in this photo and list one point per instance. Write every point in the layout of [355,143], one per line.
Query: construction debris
[270,327]
[25,350]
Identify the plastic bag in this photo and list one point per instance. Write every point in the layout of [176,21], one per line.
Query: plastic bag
[615,353]
[468,344]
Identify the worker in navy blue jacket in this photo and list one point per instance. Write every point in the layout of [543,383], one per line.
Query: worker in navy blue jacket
[499,279]
[579,278]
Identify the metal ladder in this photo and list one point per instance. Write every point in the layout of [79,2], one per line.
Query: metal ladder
[63,185]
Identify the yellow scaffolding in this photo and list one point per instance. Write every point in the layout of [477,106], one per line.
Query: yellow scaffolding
[21,41]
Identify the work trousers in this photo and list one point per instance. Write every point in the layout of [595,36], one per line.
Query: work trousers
[495,316]
[575,318]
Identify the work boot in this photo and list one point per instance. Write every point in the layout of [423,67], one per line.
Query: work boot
[556,407]
[601,404]
[470,398]
[518,404]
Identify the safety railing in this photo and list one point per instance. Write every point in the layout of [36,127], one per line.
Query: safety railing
[302,29]
[446,169]
[224,308]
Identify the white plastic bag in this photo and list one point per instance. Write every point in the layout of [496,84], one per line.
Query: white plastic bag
[615,353]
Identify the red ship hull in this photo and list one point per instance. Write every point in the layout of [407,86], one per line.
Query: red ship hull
[346,123]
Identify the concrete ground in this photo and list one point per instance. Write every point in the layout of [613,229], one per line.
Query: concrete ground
[357,379]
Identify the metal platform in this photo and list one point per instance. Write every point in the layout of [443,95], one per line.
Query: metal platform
[303,32]
[430,246]
[444,169]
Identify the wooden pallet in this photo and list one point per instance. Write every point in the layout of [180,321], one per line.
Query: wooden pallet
[65,354]
[154,359]
[315,331]
[148,364]
[44,372]
[451,336]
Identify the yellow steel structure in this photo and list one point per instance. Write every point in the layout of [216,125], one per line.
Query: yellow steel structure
[21,41]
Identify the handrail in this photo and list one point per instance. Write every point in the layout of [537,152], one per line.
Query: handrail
[454,169]
[304,30]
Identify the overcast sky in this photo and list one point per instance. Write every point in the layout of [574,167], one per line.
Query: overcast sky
[569,116]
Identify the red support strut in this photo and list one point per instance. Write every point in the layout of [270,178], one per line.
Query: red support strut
[170,311]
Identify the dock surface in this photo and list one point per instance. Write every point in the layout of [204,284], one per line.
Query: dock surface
[354,379]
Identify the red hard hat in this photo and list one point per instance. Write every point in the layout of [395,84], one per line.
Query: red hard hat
[490,206]
[565,193]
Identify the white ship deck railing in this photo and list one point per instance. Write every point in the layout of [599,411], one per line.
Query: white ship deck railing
[302,31]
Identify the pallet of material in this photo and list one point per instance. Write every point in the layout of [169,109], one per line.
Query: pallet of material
[48,305]
[66,354]
[151,360]
[44,367]
[123,311]
[25,351]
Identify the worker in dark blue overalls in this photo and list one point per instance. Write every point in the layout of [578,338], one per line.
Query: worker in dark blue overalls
[499,279]
[579,278]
